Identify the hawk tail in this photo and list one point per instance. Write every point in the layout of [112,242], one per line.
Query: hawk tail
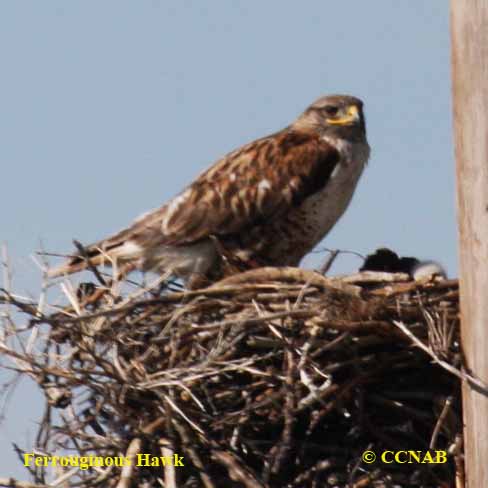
[92,256]
[102,253]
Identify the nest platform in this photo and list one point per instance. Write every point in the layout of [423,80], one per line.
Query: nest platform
[272,378]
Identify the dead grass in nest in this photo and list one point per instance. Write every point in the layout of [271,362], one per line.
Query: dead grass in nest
[272,378]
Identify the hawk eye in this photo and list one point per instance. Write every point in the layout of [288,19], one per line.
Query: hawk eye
[331,110]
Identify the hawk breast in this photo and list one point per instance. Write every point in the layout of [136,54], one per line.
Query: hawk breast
[305,226]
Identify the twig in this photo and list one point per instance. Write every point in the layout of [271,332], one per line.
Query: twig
[440,421]
[169,469]
[325,267]
[89,264]
[443,364]
[237,472]
[13,483]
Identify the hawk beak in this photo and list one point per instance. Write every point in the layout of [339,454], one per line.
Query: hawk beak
[352,117]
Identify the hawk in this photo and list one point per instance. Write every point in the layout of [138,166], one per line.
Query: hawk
[267,203]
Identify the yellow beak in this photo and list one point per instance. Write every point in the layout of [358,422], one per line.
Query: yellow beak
[351,117]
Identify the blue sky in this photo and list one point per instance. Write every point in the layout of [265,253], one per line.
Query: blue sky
[109,108]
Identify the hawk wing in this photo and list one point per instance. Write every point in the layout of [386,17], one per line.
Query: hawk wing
[260,181]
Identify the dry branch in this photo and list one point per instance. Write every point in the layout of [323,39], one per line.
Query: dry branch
[273,378]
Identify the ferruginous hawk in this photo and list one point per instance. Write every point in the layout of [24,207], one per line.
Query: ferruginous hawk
[267,203]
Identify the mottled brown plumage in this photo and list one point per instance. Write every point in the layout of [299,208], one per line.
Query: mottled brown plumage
[266,203]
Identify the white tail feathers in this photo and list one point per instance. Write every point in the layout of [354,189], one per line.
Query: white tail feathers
[96,256]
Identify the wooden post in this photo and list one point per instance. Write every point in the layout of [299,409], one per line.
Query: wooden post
[469,44]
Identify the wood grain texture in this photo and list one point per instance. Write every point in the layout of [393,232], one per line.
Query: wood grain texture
[469,31]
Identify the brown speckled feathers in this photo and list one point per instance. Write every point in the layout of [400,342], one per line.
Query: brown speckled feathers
[260,181]
[247,195]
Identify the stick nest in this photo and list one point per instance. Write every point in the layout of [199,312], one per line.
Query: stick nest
[273,378]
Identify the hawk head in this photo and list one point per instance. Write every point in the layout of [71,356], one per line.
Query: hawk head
[340,116]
